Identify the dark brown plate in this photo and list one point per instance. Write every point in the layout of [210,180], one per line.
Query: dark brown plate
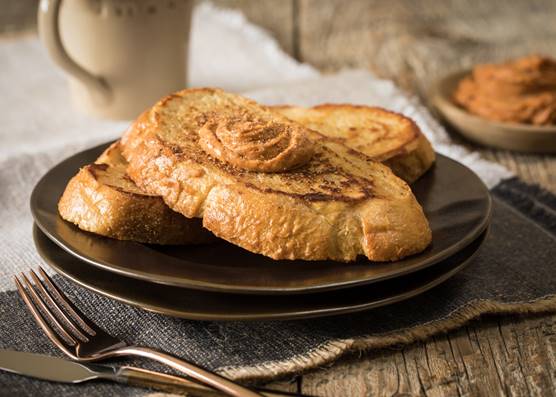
[454,199]
[205,305]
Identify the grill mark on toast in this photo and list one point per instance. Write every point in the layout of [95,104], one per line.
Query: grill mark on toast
[95,169]
[325,190]
[135,195]
[317,196]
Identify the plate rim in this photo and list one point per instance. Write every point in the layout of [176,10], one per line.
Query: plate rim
[254,290]
[298,315]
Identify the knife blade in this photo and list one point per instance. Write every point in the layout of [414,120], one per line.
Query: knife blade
[57,369]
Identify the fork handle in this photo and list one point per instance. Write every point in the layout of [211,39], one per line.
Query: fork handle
[178,385]
[164,382]
[191,370]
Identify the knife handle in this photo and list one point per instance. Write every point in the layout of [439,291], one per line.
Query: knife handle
[174,384]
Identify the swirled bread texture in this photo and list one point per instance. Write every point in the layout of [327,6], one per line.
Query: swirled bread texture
[196,149]
[102,199]
[385,136]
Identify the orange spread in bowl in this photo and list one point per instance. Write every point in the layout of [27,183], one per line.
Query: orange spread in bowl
[519,91]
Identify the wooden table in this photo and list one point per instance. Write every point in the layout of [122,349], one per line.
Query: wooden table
[414,42]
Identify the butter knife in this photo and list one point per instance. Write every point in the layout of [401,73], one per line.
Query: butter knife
[56,369]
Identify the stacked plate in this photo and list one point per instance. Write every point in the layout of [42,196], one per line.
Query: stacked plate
[223,282]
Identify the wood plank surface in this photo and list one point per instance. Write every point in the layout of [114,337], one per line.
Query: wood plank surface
[494,357]
[18,15]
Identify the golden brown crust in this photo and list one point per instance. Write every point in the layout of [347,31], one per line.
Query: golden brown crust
[339,205]
[385,136]
[410,164]
[100,199]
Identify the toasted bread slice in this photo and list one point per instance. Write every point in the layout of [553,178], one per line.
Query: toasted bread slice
[385,136]
[103,200]
[337,205]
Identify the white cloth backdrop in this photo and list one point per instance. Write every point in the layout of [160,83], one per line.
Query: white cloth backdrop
[39,127]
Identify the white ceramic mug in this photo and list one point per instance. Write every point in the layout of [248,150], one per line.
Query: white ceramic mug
[121,55]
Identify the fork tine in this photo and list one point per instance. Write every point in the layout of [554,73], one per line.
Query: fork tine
[46,310]
[70,307]
[58,311]
[41,321]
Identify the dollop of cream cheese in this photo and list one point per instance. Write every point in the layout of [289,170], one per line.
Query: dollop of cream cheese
[251,143]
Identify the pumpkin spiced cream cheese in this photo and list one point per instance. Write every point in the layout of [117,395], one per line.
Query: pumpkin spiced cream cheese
[519,91]
[253,144]
[269,184]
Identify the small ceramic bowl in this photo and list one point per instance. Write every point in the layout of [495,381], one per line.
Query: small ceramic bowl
[512,136]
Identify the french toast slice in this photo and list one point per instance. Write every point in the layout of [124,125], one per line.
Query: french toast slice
[214,155]
[385,136]
[102,199]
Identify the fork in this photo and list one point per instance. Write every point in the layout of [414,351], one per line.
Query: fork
[84,341]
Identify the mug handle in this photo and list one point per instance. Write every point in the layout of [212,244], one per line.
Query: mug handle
[49,33]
